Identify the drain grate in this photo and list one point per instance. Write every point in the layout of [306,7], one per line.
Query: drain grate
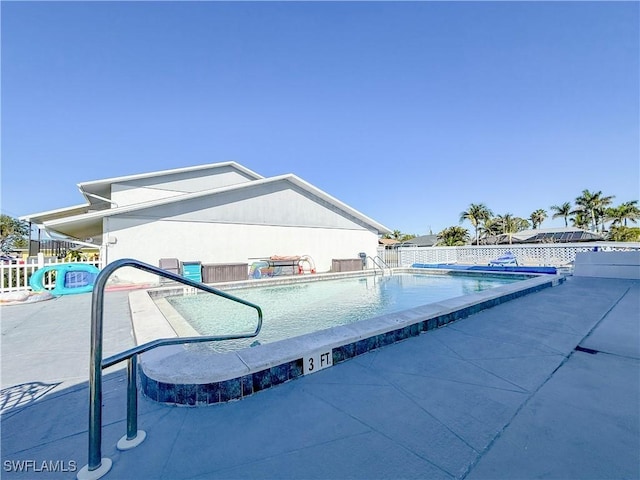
[590,351]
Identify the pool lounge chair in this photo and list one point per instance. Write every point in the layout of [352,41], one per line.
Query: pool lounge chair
[508,259]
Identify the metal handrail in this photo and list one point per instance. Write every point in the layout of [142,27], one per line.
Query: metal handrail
[95,468]
[376,264]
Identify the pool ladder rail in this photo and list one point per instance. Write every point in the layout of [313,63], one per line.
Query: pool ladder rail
[98,466]
[378,263]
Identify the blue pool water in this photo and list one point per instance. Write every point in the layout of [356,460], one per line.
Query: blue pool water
[298,308]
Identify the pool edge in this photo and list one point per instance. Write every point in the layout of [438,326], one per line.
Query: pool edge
[250,371]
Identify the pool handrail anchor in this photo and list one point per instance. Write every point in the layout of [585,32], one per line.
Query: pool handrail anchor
[98,466]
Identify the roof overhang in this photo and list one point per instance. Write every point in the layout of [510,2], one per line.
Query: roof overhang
[61,213]
[101,189]
[89,224]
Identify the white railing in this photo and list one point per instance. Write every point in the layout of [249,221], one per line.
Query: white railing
[547,255]
[15,277]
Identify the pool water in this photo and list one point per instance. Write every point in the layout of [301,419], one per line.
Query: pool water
[299,308]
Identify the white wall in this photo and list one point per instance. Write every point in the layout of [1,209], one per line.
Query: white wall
[608,265]
[230,243]
[238,225]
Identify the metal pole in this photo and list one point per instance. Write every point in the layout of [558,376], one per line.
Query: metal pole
[132,398]
[95,381]
[95,369]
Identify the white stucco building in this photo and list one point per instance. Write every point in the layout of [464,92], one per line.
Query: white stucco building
[215,213]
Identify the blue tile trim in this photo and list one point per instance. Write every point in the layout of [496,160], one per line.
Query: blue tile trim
[344,352]
[230,390]
[213,392]
[166,392]
[237,388]
[261,380]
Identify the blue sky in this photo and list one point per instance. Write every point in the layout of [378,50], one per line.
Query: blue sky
[406,111]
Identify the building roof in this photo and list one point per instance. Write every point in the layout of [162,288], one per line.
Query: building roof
[82,221]
[387,242]
[421,241]
[547,235]
[101,189]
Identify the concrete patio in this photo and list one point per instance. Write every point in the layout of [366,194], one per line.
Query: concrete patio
[544,386]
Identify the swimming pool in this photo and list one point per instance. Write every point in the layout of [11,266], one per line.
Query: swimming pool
[194,375]
[300,308]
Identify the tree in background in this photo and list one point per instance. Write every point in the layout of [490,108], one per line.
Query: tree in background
[510,224]
[620,215]
[477,213]
[490,228]
[14,233]
[593,204]
[453,237]
[564,211]
[620,233]
[591,212]
[398,235]
[538,217]
[580,220]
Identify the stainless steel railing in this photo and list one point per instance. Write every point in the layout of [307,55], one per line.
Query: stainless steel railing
[378,262]
[98,466]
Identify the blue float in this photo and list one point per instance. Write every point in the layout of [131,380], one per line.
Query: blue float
[488,268]
[70,278]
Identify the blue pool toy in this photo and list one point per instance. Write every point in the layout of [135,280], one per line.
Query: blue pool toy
[508,259]
[70,278]
[487,268]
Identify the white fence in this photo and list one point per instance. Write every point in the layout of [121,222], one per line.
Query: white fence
[547,255]
[15,277]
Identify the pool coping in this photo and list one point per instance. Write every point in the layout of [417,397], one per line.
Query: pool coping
[193,375]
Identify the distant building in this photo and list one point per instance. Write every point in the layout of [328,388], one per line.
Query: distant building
[388,242]
[421,241]
[545,235]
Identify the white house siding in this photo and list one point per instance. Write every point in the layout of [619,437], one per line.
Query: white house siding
[242,225]
[141,190]
[230,243]
[278,203]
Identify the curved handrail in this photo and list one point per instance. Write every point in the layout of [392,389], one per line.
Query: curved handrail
[376,264]
[96,363]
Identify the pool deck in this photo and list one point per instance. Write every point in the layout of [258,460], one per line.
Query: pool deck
[501,394]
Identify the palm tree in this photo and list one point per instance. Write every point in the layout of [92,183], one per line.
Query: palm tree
[580,219]
[593,204]
[629,211]
[563,210]
[522,224]
[453,237]
[476,214]
[490,228]
[538,217]
[601,211]
[509,224]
